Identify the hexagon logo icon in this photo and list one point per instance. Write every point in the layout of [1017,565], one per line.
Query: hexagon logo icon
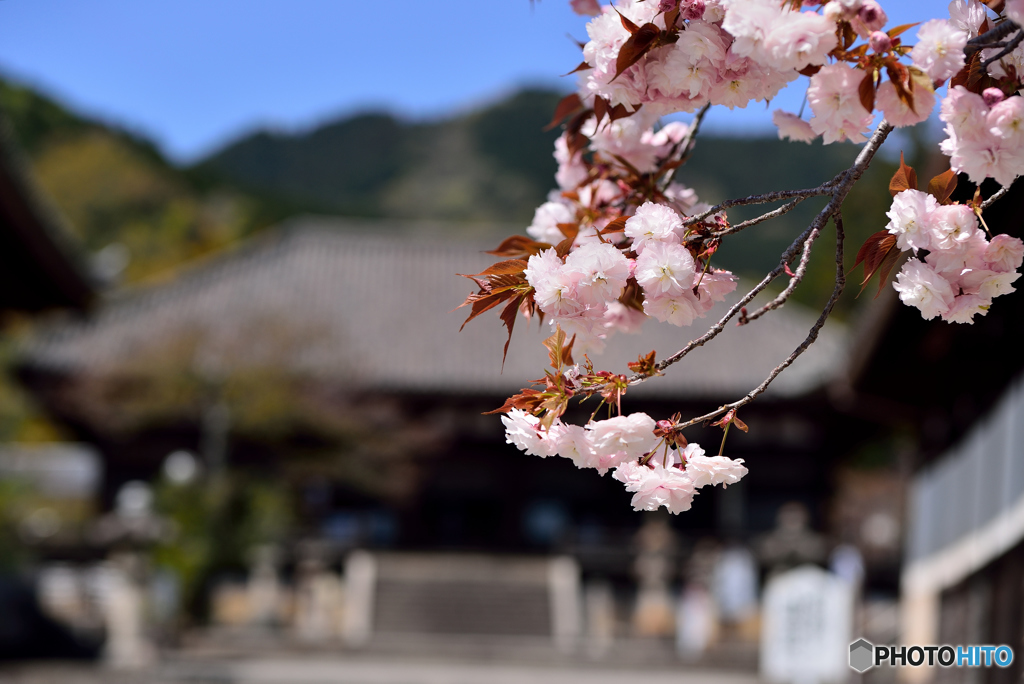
[862,655]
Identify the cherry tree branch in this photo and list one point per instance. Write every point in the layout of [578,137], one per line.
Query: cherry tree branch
[1010,46]
[686,144]
[800,195]
[990,38]
[998,195]
[812,335]
[839,187]
[801,270]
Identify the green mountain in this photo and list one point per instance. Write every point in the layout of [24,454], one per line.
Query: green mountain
[490,165]
[493,164]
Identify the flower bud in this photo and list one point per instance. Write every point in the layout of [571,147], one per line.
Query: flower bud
[667,5]
[992,96]
[872,14]
[692,9]
[880,42]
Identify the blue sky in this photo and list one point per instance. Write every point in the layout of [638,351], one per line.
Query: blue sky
[192,74]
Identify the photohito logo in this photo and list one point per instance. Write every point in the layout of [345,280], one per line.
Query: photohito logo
[864,655]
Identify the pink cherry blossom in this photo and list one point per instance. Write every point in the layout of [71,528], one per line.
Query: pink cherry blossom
[665,269]
[631,435]
[897,112]
[576,443]
[910,218]
[554,285]
[793,127]
[711,470]
[967,16]
[1014,10]
[618,316]
[522,429]
[587,8]
[951,225]
[921,286]
[599,271]
[1004,253]
[835,101]
[652,223]
[656,486]
[680,310]
[1006,120]
[939,51]
[966,307]
[546,219]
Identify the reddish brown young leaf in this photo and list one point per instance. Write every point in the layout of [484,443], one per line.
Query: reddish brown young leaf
[902,28]
[569,230]
[725,420]
[566,106]
[942,186]
[867,91]
[509,267]
[874,254]
[528,400]
[627,24]
[508,318]
[905,178]
[671,17]
[858,51]
[583,66]
[849,36]
[810,70]
[484,301]
[886,266]
[644,365]
[563,247]
[559,351]
[615,226]
[900,77]
[576,141]
[601,107]
[519,246]
[635,47]
[620,112]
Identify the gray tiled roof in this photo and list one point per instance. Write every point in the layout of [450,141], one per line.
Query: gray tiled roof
[354,303]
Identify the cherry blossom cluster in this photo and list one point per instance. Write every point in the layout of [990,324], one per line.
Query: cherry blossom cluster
[621,239]
[656,473]
[985,134]
[957,271]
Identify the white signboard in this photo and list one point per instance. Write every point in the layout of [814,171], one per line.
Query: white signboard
[807,623]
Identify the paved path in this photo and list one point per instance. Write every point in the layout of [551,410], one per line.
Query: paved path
[318,670]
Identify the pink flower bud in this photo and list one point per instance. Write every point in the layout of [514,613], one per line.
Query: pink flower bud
[693,9]
[880,42]
[871,16]
[992,96]
[667,5]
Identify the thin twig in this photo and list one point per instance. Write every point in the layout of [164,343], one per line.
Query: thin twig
[812,335]
[998,195]
[798,276]
[995,35]
[774,213]
[823,189]
[686,144]
[840,188]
